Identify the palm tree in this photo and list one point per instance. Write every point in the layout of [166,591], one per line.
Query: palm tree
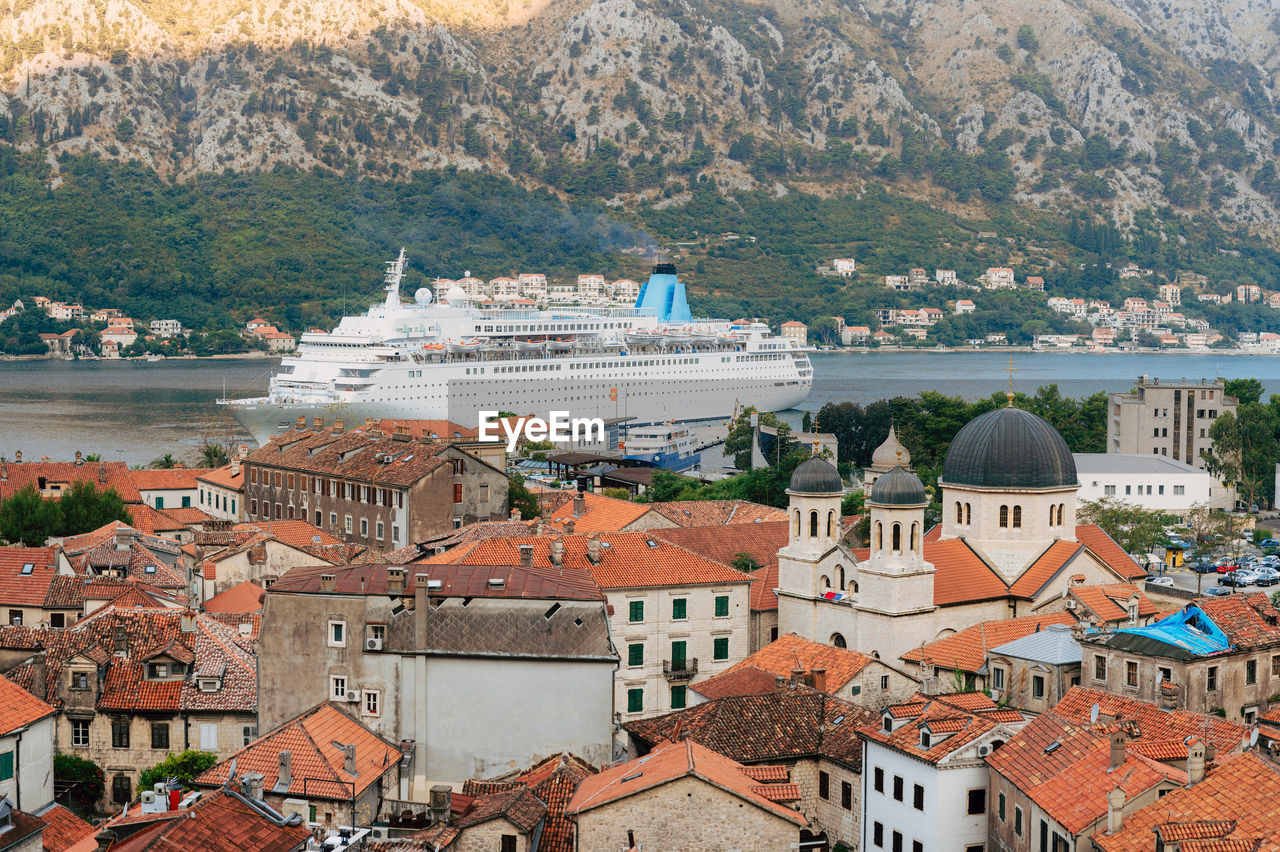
[164,462]
[213,454]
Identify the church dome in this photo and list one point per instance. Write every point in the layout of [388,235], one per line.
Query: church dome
[816,476]
[898,487]
[890,453]
[1009,448]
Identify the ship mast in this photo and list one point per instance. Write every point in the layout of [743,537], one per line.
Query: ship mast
[395,271]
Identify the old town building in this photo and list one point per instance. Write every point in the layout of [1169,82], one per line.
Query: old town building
[370,488]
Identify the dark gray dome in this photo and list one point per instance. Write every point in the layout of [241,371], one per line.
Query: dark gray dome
[1009,448]
[816,476]
[898,487]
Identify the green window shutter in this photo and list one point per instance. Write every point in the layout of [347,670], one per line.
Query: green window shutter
[186,502]
[678,697]
[6,766]
[635,700]
[1002,811]
[722,606]
[720,648]
[159,502]
[678,654]
[679,608]
[635,654]
[637,611]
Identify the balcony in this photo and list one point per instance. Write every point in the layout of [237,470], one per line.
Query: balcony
[679,671]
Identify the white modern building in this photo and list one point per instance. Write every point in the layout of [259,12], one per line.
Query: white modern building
[1166,418]
[26,748]
[1156,483]
[166,328]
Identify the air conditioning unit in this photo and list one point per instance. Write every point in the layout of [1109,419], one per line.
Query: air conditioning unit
[984,750]
[353,695]
[373,644]
[1071,603]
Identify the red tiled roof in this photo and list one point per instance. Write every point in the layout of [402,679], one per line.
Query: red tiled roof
[27,589]
[102,474]
[764,582]
[667,763]
[938,716]
[224,478]
[967,650]
[1250,621]
[747,680]
[1105,548]
[1108,601]
[708,513]
[1152,723]
[63,829]
[787,653]
[784,725]
[518,806]
[553,781]
[761,541]
[429,428]
[1044,569]
[219,821]
[352,455]
[961,575]
[601,514]
[240,598]
[19,708]
[767,773]
[316,760]
[292,533]
[170,479]
[1243,789]
[188,515]
[627,560]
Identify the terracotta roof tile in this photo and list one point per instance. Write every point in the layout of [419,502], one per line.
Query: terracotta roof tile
[709,513]
[1250,621]
[961,575]
[1242,789]
[433,839]
[963,728]
[627,560]
[667,763]
[221,820]
[315,759]
[518,806]
[21,585]
[351,455]
[767,773]
[787,653]
[1108,601]
[1153,723]
[102,474]
[1044,569]
[170,479]
[292,533]
[761,541]
[429,428]
[789,723]
[601,514]
[19,708]
[554,781]
[967,650]
[1105,548]
[240,598]
[63,829]
[764,582]
[224,478]
[747,680]
[777,792]
[471,580]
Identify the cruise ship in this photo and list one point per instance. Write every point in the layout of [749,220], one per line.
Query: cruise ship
[445,356]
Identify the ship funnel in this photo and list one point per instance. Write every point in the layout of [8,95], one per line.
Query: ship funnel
[664,294]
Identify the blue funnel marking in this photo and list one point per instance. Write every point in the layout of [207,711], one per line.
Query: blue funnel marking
[664,295]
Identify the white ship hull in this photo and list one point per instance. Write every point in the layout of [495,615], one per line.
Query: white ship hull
[451,362]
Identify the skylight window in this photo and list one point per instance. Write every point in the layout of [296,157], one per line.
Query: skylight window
[28,567]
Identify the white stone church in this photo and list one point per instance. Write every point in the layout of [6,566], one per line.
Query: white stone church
[1008,544]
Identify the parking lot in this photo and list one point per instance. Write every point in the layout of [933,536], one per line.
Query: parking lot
[1186,579]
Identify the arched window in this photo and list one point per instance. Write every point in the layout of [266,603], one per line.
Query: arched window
[897,537]
[1062,513]
[1053,513]
[840,576]
[838,641]
[853,587]
[879,536]
[813,525]
[1017,517]
[824,584]
[968,514]
[959,513]
[831,524]
[797,524]
[1004,516]
[913,536]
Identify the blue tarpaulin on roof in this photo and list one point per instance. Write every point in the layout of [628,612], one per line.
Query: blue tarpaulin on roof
[1190,629]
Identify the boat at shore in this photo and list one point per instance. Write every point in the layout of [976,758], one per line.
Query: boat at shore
[444,357]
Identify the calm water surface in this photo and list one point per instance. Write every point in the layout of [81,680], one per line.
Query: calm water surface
[135,411]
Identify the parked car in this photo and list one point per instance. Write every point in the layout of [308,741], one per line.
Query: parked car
[1227,567]
[1204,566]
[1160,581]
[1217,591]
[1238,578]
[1272,560]
[1269,542]
[1266,576]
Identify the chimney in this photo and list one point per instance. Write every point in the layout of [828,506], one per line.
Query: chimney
[1168,695]
[102,473]
[326,582]
[302,422]
[39,677]
[286,771]
[337,427]
[593,549]
[557,552]
[17,456]
[420,611]
[395,581]
[106,839]
[349,759]
[568,527]
[1118,739]
[579,504]
[79,458]
[235,465]
[515,514]
[819,679]
[258,554]
[120,639]
[187,622]
[526,556]
[1196,759]
[123,538]
[1115,811]
[251,785]
[317,422]
[797,675]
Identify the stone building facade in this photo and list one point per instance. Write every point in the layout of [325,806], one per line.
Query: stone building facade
[1167,418]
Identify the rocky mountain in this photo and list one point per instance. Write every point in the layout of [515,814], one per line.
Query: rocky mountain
[1135,110]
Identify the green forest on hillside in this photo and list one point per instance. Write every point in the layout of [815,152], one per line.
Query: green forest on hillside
[302,248]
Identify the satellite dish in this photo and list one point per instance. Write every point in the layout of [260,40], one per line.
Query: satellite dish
[422,296]
[1093,713]
[1253,736]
